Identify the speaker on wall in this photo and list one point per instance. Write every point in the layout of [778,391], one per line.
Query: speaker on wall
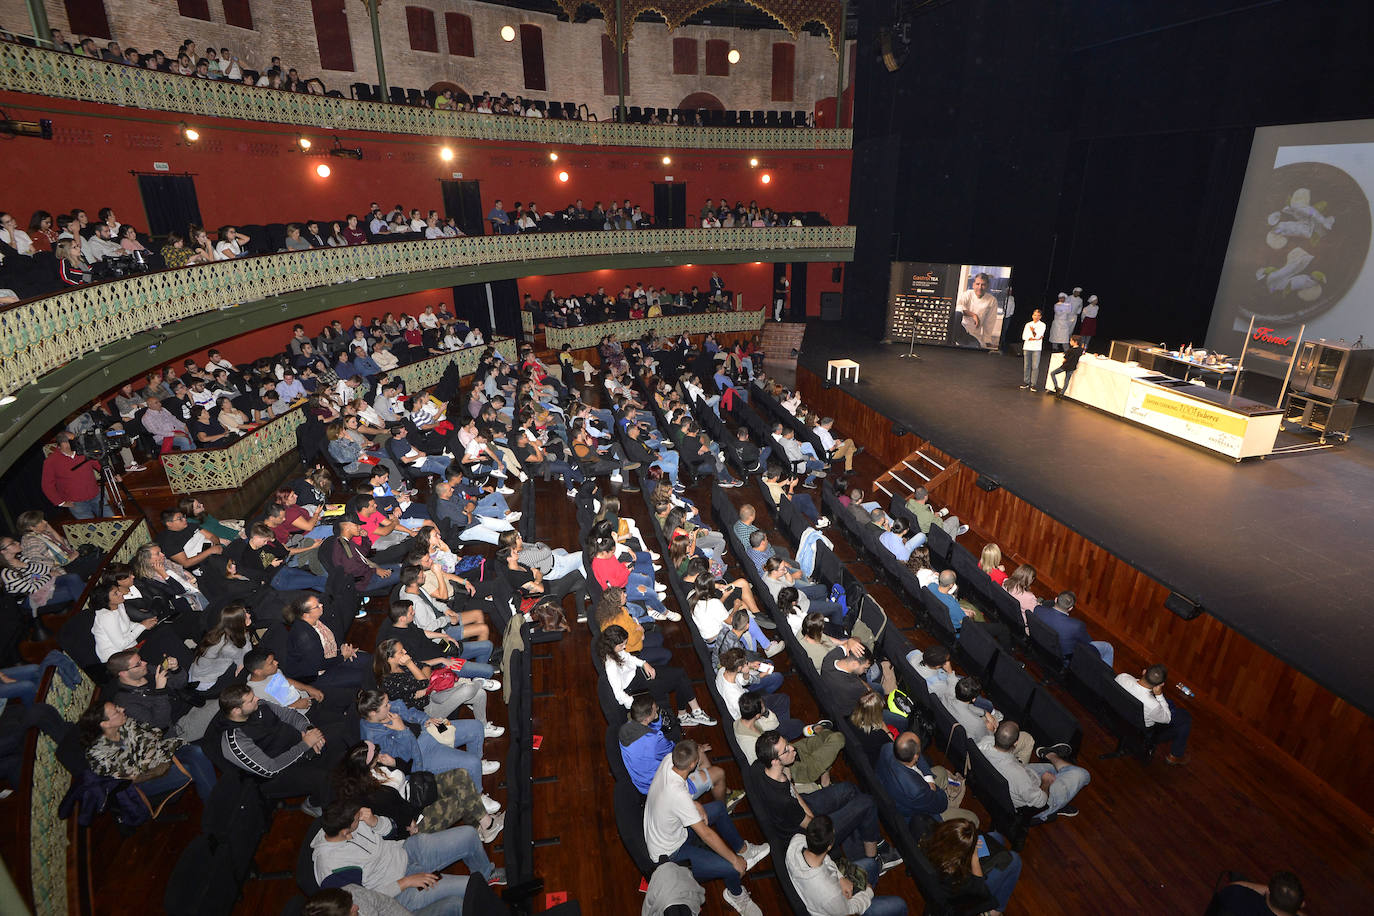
[831,309]
[987,483]
[898,429]
[1183,607]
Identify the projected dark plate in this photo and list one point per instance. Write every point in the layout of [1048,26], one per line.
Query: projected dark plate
[1314,252]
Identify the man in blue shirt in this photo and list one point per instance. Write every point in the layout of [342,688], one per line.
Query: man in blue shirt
[917,788]
[643,747]
[944,590]
[899,540]
[500,220]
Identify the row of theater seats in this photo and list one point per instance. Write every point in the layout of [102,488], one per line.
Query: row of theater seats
[1088,678]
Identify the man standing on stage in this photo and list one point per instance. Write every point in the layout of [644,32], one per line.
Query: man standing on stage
[780,296]
[1032,337]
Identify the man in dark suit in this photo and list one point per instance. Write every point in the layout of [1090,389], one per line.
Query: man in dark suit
[1072,632]
[314,654]
[917,788]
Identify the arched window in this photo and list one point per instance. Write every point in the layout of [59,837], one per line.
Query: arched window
[532,56]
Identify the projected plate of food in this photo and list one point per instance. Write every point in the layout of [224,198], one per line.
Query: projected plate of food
[1304,240]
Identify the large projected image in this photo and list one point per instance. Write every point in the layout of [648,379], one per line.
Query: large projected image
[1300,246]
[951,305]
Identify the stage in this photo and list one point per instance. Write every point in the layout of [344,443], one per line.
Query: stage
[1274,548]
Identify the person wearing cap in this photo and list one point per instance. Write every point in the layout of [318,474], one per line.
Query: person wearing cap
[1061,325]
[1076,300]
[1087,328]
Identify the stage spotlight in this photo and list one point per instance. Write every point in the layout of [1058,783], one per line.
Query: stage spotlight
[1183,607]
[190,133]
[766,178]
[733,56]
[322,170]
[753,163]
[987,483]
[446,153]
[303,142]
[553,157]
[507,33]
[562,176]
[667,160]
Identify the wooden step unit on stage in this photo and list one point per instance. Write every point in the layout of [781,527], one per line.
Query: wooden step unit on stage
[1271,703]
[781,341]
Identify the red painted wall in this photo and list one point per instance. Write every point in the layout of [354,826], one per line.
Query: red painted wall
[248,172]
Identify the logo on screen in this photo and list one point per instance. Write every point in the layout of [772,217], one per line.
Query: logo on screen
[1267,336]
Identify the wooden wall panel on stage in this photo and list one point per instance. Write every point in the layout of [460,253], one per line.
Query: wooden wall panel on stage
[1268,700]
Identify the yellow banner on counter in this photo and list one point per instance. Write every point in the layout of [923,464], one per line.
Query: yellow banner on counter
[1193,412]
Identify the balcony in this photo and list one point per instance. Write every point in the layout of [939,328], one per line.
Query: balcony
[70,76]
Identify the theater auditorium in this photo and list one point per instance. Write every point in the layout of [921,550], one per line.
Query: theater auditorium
[678,457]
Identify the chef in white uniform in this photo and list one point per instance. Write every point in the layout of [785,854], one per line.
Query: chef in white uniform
[1061,326]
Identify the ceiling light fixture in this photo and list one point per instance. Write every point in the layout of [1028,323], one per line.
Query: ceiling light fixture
[766,178]
[667,160]
[322,170]
[446,153]
[753,163]
[553,157]
[507,33]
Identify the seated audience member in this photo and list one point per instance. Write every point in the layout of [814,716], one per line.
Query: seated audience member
[700,836]
[223,648]
[351,836]
[935,665]
[120,747]
[737,675]
[315,655]
[742,631]
[385,724]
[917,788]
[899,541]
[844,450]
[874,734]
[816,752]
[1018,585]
[1283,895]
[980,879]
[643,747]
[415,803]
[1174,722]
[408,681]
[959,611]
[978,717]
[778,576]
[43,584]
[843,677]
[1051,785]
[1071,631]
[990,562]
[823,887]
[854,815]
[184,545]
[818,644]
[434,647]
[918,504]
[276,744]
[614,610]
[164,427]
[783,487]
[627,674]
[346,553]
[151,696]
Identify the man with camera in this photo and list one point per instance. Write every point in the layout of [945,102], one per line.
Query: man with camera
[72,481]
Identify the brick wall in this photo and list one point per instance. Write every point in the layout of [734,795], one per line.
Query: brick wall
[572,53]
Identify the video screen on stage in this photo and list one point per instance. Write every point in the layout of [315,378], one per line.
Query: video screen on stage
[1300,245]
[947,305]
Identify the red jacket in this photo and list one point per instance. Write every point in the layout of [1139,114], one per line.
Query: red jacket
[69,479]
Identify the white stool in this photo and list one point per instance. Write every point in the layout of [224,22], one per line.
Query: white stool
[840,367]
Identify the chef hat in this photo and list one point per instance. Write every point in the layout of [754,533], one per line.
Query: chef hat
[1078,289]
[1063,295]
[1092,298]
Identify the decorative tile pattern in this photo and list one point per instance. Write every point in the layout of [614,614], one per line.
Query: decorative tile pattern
[48,832]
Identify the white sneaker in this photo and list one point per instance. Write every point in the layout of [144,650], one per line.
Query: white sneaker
[774,648]
[499,473]
[822,522]
[754,853]
[653,555]
[743,904]
[490,685]
[522,476]
[702,718]
[942,513]
[963,530]
[493,731]
[615,477]
[487,834]
[490,804]
[504,491]
[513,517]
[490,766]
[672,615]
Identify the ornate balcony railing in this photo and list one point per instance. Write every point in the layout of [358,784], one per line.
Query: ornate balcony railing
[39,335]
[71,76]
[235,464]
[588,335]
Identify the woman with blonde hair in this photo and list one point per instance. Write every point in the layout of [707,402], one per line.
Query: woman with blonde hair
[991,563]
[867,719]
[72,268]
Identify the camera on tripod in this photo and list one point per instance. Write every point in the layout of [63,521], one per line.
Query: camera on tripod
[98,443]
